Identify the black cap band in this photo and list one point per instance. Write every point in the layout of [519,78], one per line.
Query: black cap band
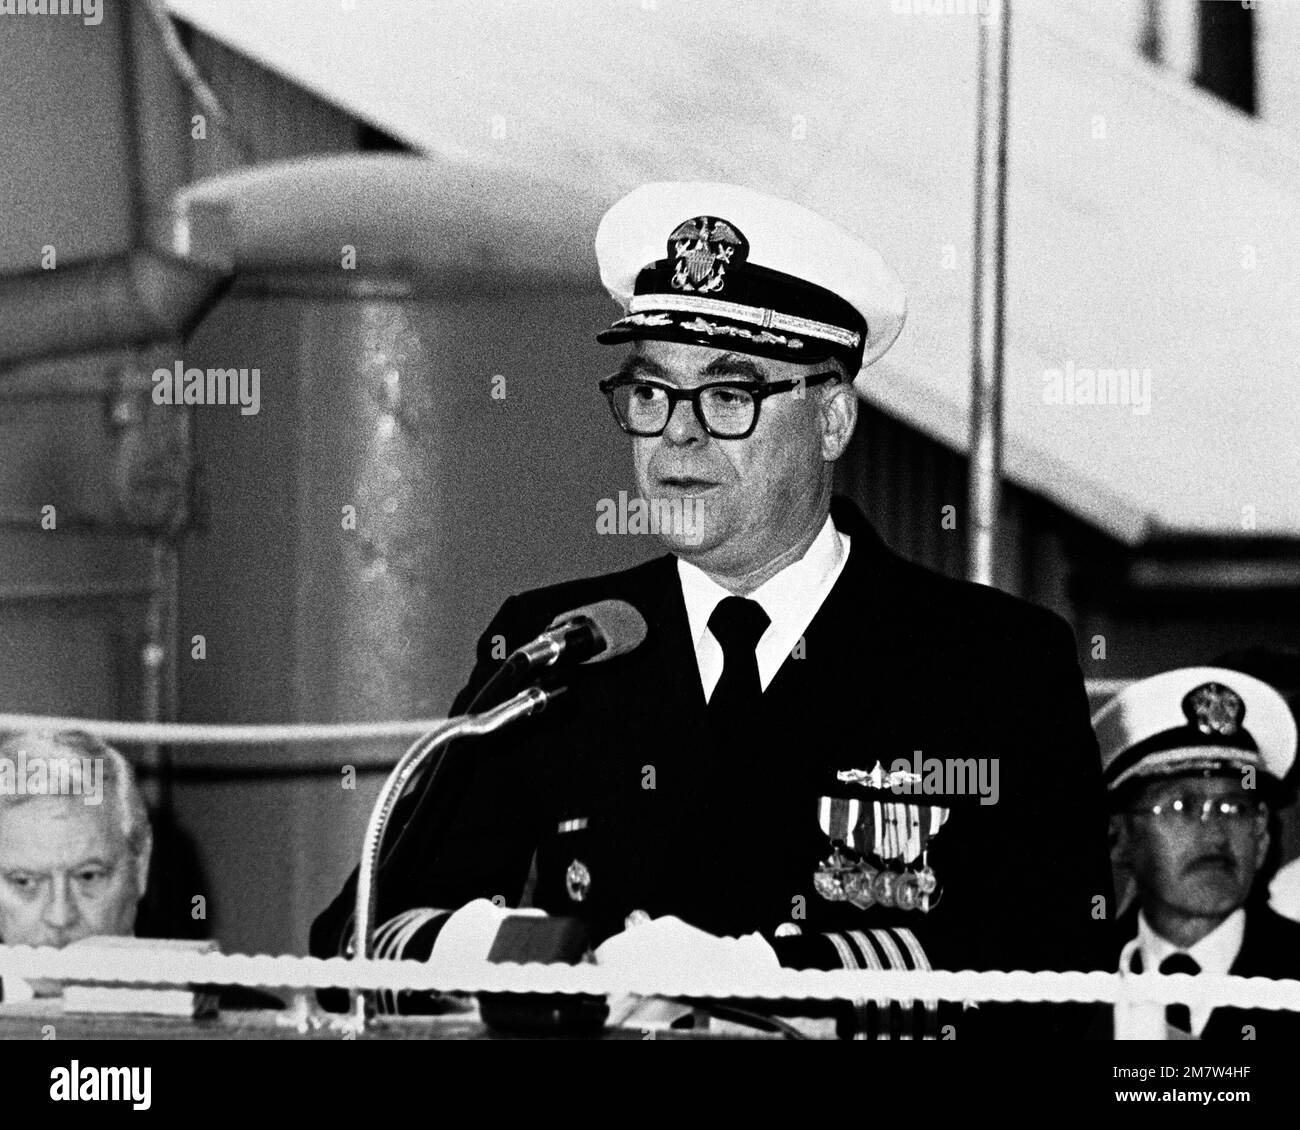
[1180,737]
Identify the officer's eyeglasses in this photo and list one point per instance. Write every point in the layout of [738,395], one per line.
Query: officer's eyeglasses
[1197,810]
[725,409]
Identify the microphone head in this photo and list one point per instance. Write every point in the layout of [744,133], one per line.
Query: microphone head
[616,624]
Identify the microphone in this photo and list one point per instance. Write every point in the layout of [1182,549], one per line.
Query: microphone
[589,634]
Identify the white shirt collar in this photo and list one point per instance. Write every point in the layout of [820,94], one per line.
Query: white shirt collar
[1214,953]
[791,599]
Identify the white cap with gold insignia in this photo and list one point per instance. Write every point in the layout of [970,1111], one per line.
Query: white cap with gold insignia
[728,267]
[1194,719]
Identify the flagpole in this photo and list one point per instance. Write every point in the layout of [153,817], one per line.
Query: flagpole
[988,290]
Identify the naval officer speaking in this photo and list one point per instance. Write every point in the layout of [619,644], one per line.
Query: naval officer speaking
[751,769]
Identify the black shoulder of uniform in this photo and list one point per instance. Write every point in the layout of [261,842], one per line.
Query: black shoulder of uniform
[982,604]
[923,596]
[946,608]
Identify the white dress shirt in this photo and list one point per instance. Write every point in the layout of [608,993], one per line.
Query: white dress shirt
[1214,953]
[790,599]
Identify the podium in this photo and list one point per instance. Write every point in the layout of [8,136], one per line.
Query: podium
[33,1022]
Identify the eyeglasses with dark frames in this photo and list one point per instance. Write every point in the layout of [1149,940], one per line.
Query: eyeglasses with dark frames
[725,409]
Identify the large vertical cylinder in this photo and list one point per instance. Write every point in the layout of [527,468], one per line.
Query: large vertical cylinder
[415,459]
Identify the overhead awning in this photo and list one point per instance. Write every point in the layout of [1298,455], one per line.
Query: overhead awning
[1153,242]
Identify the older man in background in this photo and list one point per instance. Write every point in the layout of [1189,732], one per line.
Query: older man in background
[75,842]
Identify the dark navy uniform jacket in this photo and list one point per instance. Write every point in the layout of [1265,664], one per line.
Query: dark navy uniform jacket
[625,775]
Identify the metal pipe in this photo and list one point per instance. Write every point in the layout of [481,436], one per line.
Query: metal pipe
[137,296]
[153,668]
[169,582]
[159,288]
[988,291]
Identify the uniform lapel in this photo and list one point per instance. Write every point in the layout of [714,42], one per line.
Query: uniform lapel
[672,651]
[1254,960]
[850,620]
[652,699]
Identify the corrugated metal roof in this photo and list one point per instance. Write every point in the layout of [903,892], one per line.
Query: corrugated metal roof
[1152,230]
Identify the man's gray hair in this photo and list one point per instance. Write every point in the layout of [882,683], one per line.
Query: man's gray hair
[71,746]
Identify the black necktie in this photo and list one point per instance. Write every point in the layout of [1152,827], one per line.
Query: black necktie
[1179,1015]
[737,624]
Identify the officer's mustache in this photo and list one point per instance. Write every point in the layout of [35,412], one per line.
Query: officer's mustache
[1221,859]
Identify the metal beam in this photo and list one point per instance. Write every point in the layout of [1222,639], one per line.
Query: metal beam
[988,291]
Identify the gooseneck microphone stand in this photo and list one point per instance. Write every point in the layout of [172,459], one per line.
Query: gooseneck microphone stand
[525,703]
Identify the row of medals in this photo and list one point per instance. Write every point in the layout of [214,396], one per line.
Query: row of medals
[845,876]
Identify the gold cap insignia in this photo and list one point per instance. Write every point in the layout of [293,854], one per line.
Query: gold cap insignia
[577,880]
[702,250]
[1215,709]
